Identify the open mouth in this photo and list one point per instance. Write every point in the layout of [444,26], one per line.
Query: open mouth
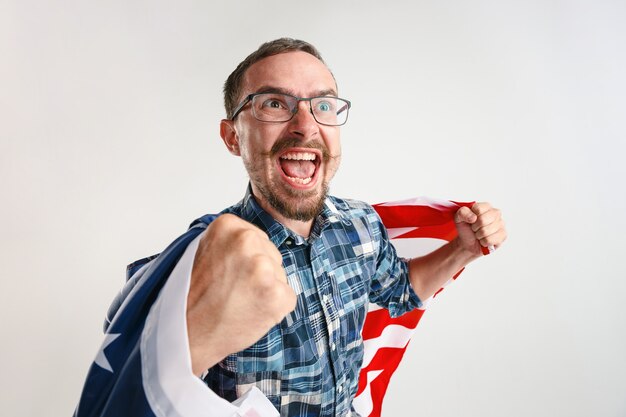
[299,167]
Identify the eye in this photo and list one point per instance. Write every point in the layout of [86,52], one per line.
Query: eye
[273,102]
[324,106]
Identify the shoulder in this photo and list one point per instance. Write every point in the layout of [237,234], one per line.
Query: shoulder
[362,223]
[195,227]
[207,219]
[350,206]
[348,209]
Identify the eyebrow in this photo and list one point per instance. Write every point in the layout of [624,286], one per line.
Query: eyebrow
[279,90]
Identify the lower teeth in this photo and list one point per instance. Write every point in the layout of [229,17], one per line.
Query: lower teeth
[302,181]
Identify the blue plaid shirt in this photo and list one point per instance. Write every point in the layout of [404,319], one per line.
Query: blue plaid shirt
[308,365]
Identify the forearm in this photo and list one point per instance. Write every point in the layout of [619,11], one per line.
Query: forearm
[430,272]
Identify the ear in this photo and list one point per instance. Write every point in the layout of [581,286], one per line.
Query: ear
[229,136]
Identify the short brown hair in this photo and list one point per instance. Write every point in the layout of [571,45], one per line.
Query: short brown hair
[233,84]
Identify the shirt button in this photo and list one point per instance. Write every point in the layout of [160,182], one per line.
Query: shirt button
[325,298]
[288,242]
[333,346]
[340,389]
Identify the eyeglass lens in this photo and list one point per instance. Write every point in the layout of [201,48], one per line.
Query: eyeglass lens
[272,107]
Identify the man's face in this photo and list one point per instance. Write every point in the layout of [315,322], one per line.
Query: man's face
[290,164]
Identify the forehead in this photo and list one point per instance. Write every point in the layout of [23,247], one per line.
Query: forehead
[297,72]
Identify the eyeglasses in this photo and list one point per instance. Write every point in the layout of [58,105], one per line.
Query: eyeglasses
[277,107]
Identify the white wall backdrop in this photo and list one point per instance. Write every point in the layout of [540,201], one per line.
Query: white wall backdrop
[109,147]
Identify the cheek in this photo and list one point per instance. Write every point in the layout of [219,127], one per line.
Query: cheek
[248,146]
[333,142]
[337,151]
[253,135]
[332,167]
[337,162]
[254,155]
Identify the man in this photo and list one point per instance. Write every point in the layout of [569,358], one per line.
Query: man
[286,274]
[281,281]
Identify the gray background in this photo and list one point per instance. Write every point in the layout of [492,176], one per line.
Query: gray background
[109,147]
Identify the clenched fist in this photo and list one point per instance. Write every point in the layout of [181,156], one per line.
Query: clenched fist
[238,291]
[480,226]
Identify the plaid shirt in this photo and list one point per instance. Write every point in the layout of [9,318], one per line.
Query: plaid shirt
[308,365]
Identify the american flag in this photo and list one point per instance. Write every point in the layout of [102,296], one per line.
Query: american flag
[416,227]
[143,369]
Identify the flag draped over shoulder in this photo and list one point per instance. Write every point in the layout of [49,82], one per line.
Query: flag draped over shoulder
[143,367]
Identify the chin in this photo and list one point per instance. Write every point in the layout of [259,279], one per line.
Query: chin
[304,205]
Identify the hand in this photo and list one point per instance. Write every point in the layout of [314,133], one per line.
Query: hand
[238,291]
[479,226]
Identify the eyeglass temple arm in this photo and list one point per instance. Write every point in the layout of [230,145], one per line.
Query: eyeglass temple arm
[343,108]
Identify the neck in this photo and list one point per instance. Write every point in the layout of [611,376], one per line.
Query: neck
[303,228]
[300,227]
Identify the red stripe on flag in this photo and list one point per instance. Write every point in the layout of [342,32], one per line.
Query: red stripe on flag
[418,215]
[377,320]
[386,360]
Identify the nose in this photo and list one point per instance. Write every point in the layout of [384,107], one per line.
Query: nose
[303,123]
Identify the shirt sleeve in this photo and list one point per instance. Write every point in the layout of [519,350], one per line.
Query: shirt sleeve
[390,287]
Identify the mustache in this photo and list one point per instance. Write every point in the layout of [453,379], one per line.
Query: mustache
[283,144]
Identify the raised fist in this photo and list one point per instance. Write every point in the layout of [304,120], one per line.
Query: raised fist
[480,226]
[238,291]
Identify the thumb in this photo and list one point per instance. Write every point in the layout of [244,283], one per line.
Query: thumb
[465,215]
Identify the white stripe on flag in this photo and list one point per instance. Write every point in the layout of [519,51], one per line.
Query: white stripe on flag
[394,336]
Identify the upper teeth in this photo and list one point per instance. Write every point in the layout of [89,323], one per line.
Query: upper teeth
[300,156]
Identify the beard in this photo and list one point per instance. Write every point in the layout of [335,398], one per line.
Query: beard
[307,204]
[293,204]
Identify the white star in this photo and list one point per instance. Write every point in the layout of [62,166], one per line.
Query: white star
[102,360]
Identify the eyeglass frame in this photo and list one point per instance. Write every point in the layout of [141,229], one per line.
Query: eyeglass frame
[249,98]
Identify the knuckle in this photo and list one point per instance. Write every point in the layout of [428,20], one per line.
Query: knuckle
[248,237]
[226,221]
[230,222]
[481,207]
[462,214]
[245,234]
[261,266]
[274,253]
